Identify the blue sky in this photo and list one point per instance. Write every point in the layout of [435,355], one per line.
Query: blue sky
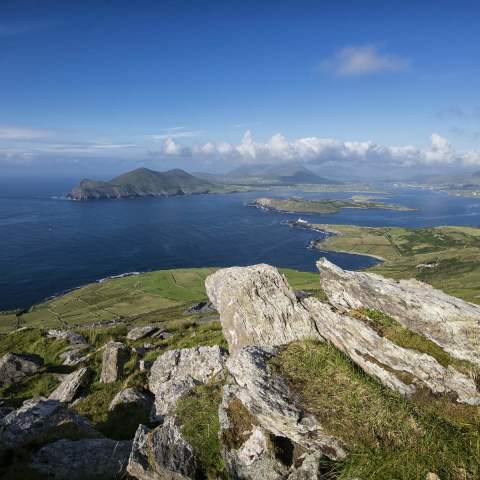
[94,88]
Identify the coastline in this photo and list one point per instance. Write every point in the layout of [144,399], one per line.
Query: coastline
[328,231]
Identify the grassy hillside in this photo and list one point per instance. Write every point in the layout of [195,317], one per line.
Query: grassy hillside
[446,257]
[150,297]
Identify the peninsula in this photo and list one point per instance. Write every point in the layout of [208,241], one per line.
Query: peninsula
[300,205]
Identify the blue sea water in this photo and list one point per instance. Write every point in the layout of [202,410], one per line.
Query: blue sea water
[49,245]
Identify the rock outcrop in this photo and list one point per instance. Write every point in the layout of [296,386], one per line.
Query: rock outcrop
[176,372]
[40,422]
[251,452]
[269,400]
[131,397]
[162,454]
[14,367]
[450,322]
[71,386]
[136,333]
[115,355]
[87,459]
[258,307]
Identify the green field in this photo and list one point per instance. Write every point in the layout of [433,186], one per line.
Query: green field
[300,205]
[160,296]
[446,257]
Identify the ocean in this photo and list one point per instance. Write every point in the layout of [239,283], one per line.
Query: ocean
[49,245]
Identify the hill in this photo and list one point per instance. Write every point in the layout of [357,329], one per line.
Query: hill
[284,174]
[142,182]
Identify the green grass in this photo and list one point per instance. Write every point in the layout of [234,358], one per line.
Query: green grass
[388,437]
[32,340]
[453,254]
[301,205]
[198,414]
[155,297]
[38,385]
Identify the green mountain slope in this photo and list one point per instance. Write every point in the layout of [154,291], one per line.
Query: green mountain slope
[142,182]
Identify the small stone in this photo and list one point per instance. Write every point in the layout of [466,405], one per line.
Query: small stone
[114,357]
[14,367]
[137,333]
[48,420]
[86,459]
[176,372]
[162,453]
[131,397]
[71,385]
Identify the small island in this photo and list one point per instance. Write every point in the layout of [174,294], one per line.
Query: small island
[300,205]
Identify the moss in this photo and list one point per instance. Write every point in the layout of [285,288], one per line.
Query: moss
[197,413]
[389,328]
[241,425]
[388,436]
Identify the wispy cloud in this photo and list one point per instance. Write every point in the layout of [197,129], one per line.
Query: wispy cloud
[16,132]
[174,132]
[360,60]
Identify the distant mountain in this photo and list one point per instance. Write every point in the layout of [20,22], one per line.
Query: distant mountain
[283,174]
[142,182]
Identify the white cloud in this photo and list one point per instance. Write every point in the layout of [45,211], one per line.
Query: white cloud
[170,147]
[15,132]
[363,60]
[327,150]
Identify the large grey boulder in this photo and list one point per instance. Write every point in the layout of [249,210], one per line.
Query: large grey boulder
[136,333]
[71,385]
[257,307]
[269,400]
[14,367]
[131,397]
[115,355]
[89,459]
[450,322]
[40,422]
[176,372]
[162,454]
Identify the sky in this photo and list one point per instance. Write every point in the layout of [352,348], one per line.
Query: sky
[95,88]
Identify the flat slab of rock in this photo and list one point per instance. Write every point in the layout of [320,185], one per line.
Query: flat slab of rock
[87,459]
[450,322]
[131,397]
[14,367]
[176,372]
[42,421]
[71,385]
[137,333]
[115,355]
[401,369]
[257,307]
[162,454]
[75,354]
[72,338]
